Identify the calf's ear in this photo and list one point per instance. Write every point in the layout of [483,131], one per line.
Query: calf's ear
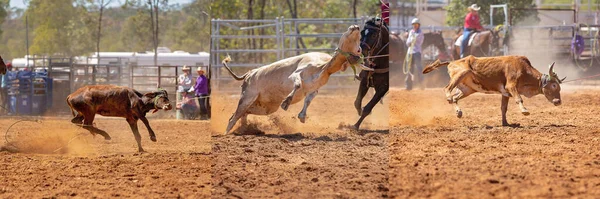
[150,95]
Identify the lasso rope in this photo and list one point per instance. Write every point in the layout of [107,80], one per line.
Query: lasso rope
[583,78]
[8,143]
[8,129]
[408,59]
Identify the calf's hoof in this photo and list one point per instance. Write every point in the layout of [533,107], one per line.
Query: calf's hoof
[302,118]
[153,138]
[525,113]
[505,124]
[285,104]
[107,138]
[459,114]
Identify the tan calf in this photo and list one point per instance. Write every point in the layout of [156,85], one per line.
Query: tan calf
[510,76]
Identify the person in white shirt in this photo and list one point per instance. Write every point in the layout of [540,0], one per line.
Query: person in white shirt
[185,84]
[414,42]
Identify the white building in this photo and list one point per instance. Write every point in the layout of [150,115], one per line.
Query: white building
[165,57]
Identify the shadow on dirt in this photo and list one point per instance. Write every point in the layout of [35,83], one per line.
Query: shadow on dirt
[294,137]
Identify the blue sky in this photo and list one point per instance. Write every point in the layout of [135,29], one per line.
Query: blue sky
[21,4]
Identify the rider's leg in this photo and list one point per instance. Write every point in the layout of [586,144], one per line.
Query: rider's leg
[465,42]
[418,67]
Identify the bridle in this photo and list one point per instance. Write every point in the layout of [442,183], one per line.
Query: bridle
[378,42]
[155,100]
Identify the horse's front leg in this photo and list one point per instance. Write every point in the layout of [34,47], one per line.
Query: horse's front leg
[379,93]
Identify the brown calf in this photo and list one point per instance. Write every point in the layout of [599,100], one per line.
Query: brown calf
[116,101]
[511,76]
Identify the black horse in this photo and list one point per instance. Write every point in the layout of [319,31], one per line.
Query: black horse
[374,42]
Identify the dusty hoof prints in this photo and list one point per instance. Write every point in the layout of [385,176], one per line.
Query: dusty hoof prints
[251,129]
[343,126]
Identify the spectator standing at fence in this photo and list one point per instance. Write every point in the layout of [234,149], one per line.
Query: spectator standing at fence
[472,24]
[414,42]
[184,82]
[201,91]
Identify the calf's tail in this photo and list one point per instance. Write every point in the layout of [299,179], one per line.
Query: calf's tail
[71,107]
[434,66]
[225,61]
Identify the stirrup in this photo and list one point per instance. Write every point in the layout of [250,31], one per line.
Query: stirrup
[363,67]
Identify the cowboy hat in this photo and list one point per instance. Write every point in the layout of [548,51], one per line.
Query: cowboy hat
[474,7]
[185,67]
[199,69]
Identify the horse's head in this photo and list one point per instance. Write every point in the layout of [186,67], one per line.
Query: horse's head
[495,40]
[374,39]
[436,39]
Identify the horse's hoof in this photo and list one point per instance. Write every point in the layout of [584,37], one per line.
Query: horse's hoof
[107,138]
[459,114]
[153,138]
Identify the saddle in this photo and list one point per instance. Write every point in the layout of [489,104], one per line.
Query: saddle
[458,41]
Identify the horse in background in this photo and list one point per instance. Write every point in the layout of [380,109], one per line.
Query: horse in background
[484,44]
[398,51]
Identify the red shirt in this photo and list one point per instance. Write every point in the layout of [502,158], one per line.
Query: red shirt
[472,21]
[385,12]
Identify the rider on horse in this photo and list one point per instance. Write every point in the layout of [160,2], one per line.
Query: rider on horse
[472,24]
[385,11]
[414,42]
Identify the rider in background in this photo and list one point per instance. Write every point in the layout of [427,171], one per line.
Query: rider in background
[414,42]
[472,24]
[385,11]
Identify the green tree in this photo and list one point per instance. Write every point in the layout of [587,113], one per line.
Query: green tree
[61,27]
[4,8]
[153,7]
[457,10]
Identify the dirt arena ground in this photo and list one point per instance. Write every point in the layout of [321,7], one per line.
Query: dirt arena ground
[319,159]
[554,153]
[59,159]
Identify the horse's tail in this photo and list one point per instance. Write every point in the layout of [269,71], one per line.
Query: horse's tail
[434,66]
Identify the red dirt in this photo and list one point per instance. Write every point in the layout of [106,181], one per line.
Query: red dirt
[177,165]
[554,153]
[295,160]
